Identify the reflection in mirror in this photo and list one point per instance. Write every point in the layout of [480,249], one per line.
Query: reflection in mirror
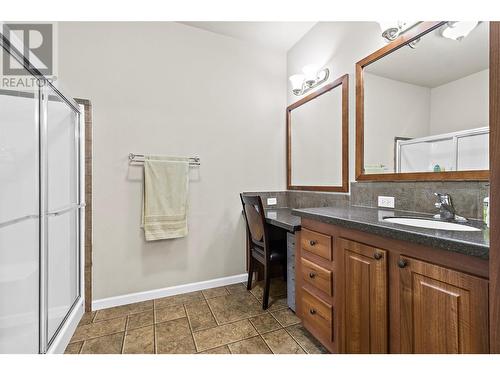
[316,136]
[426,105]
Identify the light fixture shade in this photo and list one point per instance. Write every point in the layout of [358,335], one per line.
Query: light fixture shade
[392,29]
[310,72]
[297,80]
[385,25]
[459,29]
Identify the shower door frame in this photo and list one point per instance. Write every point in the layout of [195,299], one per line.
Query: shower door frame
[64,331]
[46,342]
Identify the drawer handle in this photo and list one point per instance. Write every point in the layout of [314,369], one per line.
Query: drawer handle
[312,242]
[312,275]
[312,311]
[378,256]
[402,263]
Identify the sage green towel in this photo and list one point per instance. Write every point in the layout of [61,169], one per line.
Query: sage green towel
[165,200]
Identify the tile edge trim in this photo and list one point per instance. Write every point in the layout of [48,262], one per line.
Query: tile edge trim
[63,338]
[125,299]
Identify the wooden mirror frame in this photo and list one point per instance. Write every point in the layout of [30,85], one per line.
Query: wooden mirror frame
[415,33]
[344,188]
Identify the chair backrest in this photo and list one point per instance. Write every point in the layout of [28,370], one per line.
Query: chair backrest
[256,221]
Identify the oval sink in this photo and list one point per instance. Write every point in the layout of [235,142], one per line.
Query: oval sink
[430,224]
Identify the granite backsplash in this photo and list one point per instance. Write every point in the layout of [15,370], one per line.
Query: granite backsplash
[467,196]
[409,196]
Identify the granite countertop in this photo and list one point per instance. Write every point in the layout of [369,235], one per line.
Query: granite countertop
[370,220]
[283,218]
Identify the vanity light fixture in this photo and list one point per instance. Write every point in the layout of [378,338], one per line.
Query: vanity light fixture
[457,30]
[392,29]
[313,76]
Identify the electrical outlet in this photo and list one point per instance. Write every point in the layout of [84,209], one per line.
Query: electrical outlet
[387,202]
[272,201]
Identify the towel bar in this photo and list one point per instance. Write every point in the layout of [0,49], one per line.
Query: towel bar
[138,158]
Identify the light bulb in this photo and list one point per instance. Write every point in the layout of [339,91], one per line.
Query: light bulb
[297,81]
[459,29]
[390,29]
[310,73]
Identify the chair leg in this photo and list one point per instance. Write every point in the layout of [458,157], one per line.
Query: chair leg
[267,282]
[250,273]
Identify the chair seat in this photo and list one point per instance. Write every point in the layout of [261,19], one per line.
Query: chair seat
[277,251]
[261,248]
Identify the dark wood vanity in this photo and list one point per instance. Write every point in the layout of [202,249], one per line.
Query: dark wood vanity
[363,286]
[358,292]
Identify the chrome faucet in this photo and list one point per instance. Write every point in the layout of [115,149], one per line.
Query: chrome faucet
[446,209]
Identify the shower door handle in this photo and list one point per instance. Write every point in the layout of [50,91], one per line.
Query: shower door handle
[65,209]
[35,216]
[17,220]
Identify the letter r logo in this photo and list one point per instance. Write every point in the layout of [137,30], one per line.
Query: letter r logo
[37,45]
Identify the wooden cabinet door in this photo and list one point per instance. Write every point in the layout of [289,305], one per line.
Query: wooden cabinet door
[364,298]
[442,310]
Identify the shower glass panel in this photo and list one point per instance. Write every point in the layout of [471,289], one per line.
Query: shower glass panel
[62,210]
[40,212]
[19,221]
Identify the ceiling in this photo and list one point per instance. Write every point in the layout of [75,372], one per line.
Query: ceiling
[280,36]
[436,60]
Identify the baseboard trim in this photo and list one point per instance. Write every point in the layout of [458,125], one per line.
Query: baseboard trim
[125,299]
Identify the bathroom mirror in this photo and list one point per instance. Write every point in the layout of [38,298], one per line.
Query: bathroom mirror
[422,105]
[317,139]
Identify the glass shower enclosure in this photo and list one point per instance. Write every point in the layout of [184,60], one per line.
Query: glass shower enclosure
[41,200]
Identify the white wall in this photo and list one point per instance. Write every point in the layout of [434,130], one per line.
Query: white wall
[167,88]
[461,104]
[338,46]
[392,109]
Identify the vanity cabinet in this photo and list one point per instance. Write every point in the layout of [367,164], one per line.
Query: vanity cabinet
[317,244]
[315,285]
[362,293]
[365,298]
[442,310]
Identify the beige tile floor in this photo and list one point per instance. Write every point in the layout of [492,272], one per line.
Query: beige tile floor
[225,320]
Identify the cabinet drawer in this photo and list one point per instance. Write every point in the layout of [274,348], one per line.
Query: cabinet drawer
[317,313]
[317,276]
[317,243]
